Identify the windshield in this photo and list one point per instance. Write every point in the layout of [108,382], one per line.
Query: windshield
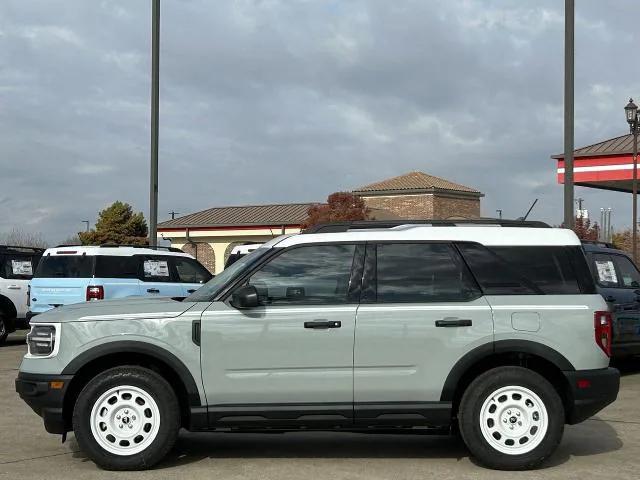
[210,289]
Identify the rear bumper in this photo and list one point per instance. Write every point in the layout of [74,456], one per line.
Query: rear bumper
[590,391]
[35,389]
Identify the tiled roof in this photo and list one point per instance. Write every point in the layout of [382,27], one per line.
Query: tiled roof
[613,146]
[414,181]
[285,214]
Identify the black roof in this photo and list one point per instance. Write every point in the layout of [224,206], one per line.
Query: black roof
[364,224]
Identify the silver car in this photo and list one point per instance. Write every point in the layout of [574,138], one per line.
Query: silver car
[492,331]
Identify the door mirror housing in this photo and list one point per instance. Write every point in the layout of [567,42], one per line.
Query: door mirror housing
[245,297]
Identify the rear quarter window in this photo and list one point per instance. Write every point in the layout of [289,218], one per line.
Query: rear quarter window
[529,270]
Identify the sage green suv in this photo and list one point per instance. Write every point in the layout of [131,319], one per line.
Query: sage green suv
[493,331]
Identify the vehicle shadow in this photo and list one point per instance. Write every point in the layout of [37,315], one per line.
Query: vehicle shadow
[16,338]
[592,437]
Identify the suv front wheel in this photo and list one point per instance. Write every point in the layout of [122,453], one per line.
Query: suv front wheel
[511,418]
[126,418]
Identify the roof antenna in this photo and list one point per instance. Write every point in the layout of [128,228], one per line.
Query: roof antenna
[528,211]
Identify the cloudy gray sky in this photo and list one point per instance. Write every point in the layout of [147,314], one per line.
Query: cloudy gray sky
[283,101]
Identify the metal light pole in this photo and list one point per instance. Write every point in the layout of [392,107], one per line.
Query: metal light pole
[631,112]
[85,222]
[569,8]
[155,100]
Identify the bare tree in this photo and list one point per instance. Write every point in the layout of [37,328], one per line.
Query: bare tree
[72,240]
[21,238]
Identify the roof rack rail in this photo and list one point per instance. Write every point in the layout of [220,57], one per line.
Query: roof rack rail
[333,227]
[22,249]
[157,247]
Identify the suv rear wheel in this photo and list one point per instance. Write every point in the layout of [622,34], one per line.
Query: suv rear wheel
[126,418]
[511,418]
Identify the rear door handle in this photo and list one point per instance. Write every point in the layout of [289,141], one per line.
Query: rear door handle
[191,290]
[153,290]
[14,287]
[321,324]
[454,322]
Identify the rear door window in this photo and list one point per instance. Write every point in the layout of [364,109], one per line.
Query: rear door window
[420,273]
[65,266]
[17,267]
[629,275]
[112,266]
[605,270]
[156,269]
[493,274]
[190,271]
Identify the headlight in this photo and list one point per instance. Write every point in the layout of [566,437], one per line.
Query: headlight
[42,340]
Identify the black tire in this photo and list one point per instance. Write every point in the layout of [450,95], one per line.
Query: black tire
[469,417]
[150,383]
[4,329]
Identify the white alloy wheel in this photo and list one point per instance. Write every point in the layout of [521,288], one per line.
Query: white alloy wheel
[514,420]
[125,420]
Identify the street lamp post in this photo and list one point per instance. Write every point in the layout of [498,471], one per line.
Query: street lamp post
[631,112]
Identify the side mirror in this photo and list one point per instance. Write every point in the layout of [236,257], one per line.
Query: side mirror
[245,297]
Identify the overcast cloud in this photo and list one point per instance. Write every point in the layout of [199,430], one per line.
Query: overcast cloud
[287,101]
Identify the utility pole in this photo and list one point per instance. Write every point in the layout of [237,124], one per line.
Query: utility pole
[569,26]
[173,214]
[155,100]
[499,212]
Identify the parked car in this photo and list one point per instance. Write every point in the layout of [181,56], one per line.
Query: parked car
[68,275]
[16,269]
[240,251]
[618,280]
[496,330]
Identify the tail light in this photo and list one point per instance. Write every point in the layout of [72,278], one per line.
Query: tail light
[95,293]
[28,295]
[604,331]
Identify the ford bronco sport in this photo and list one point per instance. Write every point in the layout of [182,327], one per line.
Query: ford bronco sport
[495,331]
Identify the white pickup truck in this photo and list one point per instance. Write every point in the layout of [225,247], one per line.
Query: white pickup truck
[17,265]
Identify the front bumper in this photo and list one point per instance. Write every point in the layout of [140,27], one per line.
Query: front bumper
[590,391]
[35,389]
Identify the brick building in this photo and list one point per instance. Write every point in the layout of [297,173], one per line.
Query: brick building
[210,235]
[416,195]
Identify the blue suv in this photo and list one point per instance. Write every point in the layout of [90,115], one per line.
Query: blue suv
[67,275]
[618,281]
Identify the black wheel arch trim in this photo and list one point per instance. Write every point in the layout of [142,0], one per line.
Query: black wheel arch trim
[142,348]
[501,346]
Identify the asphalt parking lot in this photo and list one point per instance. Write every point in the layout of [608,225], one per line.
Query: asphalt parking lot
[606,446]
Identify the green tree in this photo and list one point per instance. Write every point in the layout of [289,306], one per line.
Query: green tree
[117,224]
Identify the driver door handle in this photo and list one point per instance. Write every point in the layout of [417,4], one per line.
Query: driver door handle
[454,322]
[323,324]
[153,290]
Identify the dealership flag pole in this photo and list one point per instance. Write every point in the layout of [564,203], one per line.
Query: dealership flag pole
[155,98]
[569,7]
